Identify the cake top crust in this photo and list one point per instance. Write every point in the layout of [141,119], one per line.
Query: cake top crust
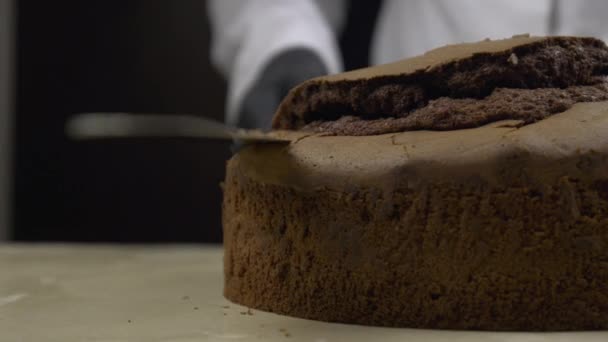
[436,58]
[573,143]
[403,95]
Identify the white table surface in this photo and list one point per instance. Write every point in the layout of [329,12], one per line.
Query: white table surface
[172,293]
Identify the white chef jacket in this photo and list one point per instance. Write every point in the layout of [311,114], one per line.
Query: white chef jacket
[247,34]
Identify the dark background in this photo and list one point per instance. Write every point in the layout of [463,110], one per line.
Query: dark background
[133,56]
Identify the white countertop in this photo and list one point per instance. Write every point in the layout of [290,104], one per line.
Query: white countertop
[152,293]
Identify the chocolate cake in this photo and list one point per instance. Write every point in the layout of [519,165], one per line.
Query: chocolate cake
[466,188]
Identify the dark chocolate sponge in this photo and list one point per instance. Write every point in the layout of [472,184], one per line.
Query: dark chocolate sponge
[500,226]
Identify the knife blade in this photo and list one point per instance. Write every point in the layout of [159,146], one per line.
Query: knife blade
[100,125]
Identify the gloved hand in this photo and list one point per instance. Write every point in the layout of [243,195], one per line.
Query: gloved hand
[281,74]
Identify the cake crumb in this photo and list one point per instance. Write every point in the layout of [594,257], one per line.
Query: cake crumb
[517,124]
[185,297]
[196,308]
[225,314]
[129,321]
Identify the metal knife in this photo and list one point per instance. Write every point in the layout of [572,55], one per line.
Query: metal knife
[128,125]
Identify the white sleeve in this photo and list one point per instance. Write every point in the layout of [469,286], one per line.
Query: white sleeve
[246,34]
[583,18]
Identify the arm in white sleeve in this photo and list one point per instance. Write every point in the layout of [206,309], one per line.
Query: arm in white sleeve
[583,18]
[246,34]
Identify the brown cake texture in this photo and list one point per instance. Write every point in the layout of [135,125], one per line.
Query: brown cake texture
[466,188]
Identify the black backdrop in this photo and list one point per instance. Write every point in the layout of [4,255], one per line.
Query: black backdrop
[138,56]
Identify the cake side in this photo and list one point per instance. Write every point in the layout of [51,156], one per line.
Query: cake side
[452,256]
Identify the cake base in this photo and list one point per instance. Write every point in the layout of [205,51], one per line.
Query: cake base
[449,256]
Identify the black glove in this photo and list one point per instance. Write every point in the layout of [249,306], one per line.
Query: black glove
[282,73]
